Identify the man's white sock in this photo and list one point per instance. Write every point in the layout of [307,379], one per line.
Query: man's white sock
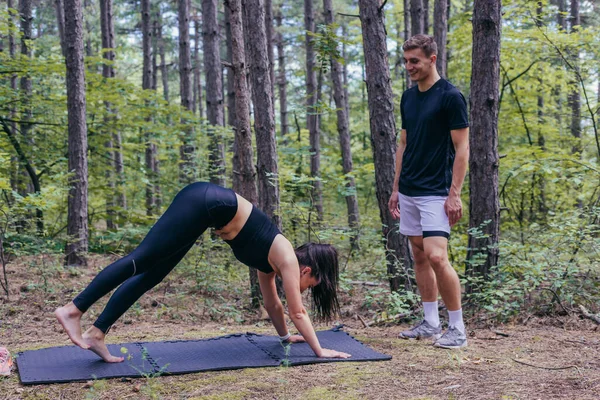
[456,320]
[432,316]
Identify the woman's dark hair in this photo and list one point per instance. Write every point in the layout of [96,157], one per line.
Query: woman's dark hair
[323,260]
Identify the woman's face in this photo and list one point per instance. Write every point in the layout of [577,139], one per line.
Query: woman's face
[307,280]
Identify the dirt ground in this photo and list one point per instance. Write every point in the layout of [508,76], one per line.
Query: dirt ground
[550,358]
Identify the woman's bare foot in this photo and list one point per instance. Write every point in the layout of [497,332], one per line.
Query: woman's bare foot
[69,317]
[94,338]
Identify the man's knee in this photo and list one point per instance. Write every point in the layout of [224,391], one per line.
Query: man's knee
[437,259]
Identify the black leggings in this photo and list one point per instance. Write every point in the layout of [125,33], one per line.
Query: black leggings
[195,208]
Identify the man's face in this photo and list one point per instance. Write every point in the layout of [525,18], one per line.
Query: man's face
[418,65]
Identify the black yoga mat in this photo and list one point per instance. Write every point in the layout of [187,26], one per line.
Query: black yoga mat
[70,363]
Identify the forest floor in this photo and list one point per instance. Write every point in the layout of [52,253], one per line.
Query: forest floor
[543,358]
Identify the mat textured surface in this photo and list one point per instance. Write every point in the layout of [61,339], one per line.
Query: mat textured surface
[70,363]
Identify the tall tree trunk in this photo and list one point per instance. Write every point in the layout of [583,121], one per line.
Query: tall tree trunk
[164,72]
[231,110]
[89,52]
[312,118]
[12,51]
[282,79]
[345,68]
[26,187]
[440,31]
[198,87]
[196,100]
[407,80]
[270,50]
[560,16]
[341,105]
[187,173]
[574,95]
[426,17]
[60,22]
[541,199]
[484,205]
[77,218]
[416,17]
[155,17]
[148,84]
[107,32]
[214,88]
[383,138]
[244,174]
[264,124]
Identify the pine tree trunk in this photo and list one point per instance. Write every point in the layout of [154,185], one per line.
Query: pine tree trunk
[426,17]
[341,105]
[312,119]
[106,30]
[214,88]
[12,51]
[574,95]
[197,71]
[148,84]
[345,68]
[77,228]
[60,23]
[270,50]
[89,52]
[282,79]
[231,111]
[416,17]
[407,80]
[164,72]
[560,16]
[440,31]
[484,206]
[383,138]
[245,182]
[264,124]
[187,172]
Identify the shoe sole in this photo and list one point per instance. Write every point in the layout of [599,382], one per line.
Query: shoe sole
[441,346]
[432,337]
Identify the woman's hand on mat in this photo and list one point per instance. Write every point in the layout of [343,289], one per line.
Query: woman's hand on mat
[296,339]
[327,353]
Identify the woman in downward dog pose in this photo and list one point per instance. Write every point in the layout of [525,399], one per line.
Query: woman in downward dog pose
[255,241]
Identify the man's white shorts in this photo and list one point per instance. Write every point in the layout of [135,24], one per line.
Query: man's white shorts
[423,216]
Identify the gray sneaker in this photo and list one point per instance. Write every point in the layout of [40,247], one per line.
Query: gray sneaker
[422,331]
[452,339]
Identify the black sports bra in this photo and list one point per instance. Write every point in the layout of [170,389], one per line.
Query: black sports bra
[252,244]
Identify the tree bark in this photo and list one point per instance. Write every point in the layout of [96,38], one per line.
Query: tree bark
[341,105]
[312,118]
[270,50]
[574,96]
[426,17]
[407,80]
[264,124]
[484,206]
[164,72]
[107,33]
[231,110]
[560,17]
[77,221]
[187,171]
[440,32]
[383,138]
[245,173]
[148,84]
[214,88]
[198,85]
[12,51]
[416,17]
[282,79]
[60,22]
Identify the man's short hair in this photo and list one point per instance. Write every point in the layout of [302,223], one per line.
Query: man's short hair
[423,42]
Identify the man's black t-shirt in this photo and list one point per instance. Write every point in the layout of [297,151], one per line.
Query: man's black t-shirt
[428,118]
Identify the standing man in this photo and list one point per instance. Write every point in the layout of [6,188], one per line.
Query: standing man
[431,163]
